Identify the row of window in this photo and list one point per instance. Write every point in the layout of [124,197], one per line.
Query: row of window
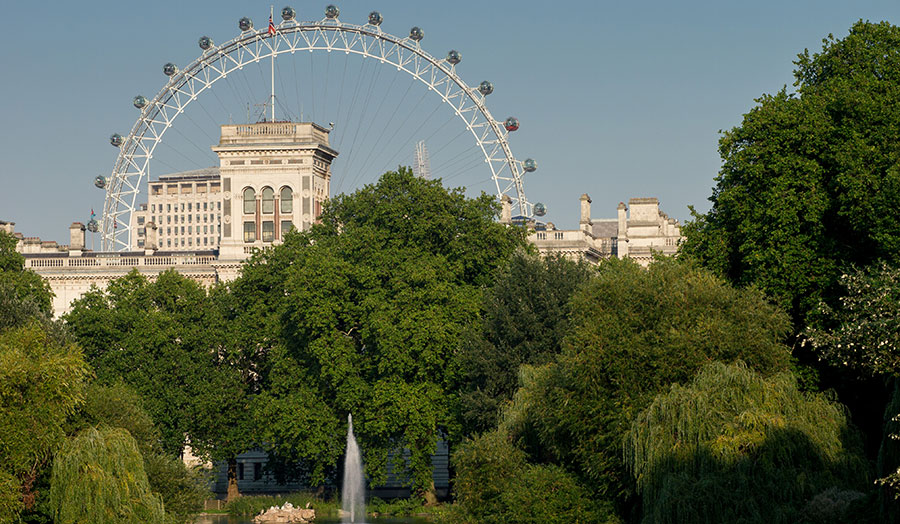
[207,206]
[268,230]
[190,230]
[267,196]
[211,217]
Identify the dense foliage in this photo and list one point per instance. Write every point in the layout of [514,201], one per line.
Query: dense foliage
[634,332]
[495,484]
[41,385]
[810,181]
[99,477]
[524,317]
[373,302]
[19,284]
[732,446]
[166,340]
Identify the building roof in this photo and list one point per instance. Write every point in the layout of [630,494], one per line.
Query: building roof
[207,173]
[605,228]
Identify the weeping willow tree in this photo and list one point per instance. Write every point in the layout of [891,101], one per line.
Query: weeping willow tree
[98,477]
[735,447]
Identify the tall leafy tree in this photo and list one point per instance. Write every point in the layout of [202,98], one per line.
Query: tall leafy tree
[19,284]
[810,181]
[524,318]
[166,340]
[633,333]
[374,300]
[733,446]
[41,384]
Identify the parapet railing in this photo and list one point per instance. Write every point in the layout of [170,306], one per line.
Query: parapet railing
[116,261]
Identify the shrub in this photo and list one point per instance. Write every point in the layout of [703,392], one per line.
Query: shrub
[733,446]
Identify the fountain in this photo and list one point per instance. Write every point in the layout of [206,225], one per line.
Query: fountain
[353,493]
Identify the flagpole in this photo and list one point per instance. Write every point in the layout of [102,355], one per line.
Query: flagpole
[271,21]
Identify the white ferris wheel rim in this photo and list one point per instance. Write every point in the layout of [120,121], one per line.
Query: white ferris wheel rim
[252,46]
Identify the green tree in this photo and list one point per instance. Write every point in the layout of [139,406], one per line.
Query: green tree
[633,333]
[524,318]
[732,446]
[183,490]
[167,340]
[99,477]
[41,384]
[810,181]
[373,303]
[862,334]
[17,283]
[495,484]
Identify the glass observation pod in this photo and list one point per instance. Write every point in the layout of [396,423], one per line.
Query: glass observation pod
[288,14]
[245,24]
[485,88]
[454,57]
[375,18]
[511,124]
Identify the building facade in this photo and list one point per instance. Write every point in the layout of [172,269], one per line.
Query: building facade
[638,231]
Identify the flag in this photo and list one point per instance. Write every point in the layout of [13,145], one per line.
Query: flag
[92,213]
[271,26]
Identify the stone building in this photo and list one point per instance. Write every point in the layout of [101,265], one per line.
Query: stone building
[639,230]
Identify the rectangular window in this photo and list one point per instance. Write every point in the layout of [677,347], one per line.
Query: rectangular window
[190,241]
[286,225]
[182,207]
[205,241]
[153,208]
[240,471]
[140,243]
[168,242]
[257,470]
[168,230]
[205,229]
[140,221]
[189,206]
[168,219]
[169,208]
[204,206]
[189,230]
[182,230]
[219,205]
[182,242]
[268,231]
[189,218]
[249,231]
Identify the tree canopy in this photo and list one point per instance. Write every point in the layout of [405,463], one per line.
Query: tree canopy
[523,320]
[732,446]
[810,181]
[633,333]
[373,301]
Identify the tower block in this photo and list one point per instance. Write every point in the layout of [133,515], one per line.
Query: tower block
[275,176]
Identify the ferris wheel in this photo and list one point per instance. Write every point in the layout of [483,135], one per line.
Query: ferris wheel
[217,62]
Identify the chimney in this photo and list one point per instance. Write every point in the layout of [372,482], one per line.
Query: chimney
[76,237]
[150,242]
[622,234]
[505,210]
[586,213]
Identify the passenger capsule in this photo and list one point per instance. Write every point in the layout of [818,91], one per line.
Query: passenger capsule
[529,165]
[511,124]
[454,57]
[245,24]
[332,11]
[205,42]
[170,69]
[485,88]
[375,18]
[416,34]
[540,210]
[93,226]
[116,140]
[288,14]
[100,182]
[139,101]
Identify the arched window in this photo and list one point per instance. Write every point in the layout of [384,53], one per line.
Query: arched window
[249,201]
[287,200]
[268,200]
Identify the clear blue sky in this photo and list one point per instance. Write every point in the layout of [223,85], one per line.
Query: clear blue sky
[616,99]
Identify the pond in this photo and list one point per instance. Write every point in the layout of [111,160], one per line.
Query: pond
[225,519]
